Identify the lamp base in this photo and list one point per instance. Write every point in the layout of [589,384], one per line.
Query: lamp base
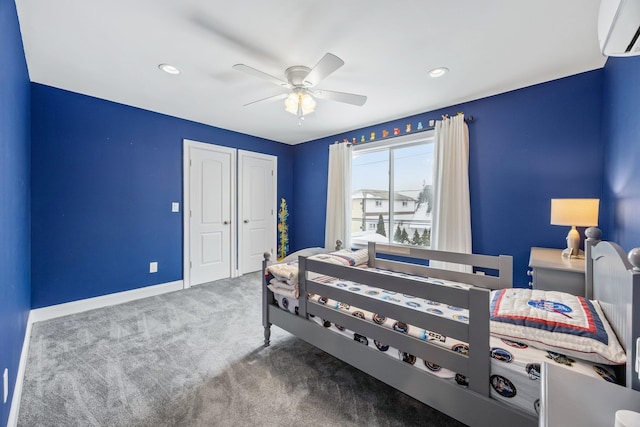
[571,253]
[573,244]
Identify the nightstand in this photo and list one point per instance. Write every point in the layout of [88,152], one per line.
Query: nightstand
[568,398]
[550,271]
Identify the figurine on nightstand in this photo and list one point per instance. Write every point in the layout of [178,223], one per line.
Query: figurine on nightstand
[396,131]
[408,128]
[362,139]
[373,136]
[419,125]
[385,133]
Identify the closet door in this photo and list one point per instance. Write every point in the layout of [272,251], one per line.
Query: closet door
[209,221]
[257,182]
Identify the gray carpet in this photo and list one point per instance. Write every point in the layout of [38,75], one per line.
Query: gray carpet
[195,358]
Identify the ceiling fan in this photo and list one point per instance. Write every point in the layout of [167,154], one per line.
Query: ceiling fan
[299,88]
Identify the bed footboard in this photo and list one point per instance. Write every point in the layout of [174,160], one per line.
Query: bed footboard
[267,300]
[267,295]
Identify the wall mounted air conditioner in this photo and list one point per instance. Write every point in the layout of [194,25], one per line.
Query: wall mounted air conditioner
[619,27]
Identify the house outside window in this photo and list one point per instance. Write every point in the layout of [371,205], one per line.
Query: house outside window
[392,190]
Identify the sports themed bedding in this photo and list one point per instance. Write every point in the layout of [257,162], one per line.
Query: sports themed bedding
[556,321]
[527,327]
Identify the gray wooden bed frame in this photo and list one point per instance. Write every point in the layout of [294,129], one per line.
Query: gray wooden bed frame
[613,278]
[471,405]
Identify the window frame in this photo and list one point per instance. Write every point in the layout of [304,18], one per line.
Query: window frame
[392,144]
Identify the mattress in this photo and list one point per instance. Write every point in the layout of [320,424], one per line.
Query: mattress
[515,367]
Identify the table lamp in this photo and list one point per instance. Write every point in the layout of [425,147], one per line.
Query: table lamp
[574,213]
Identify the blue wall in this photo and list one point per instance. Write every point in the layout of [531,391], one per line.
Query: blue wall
[14,197]
[104,177]
[621,125]
[526,147]
[90,211]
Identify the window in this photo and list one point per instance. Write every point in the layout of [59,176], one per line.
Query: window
[391,187]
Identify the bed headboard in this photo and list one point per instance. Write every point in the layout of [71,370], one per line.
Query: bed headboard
[616,285]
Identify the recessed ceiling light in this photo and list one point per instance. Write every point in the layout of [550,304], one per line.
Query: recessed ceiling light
[438,72]
[168,68]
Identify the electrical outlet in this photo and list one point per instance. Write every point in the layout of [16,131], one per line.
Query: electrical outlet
[175,207]
[153,267]
[5,380]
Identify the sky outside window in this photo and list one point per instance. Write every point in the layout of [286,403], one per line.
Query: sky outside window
[413,166]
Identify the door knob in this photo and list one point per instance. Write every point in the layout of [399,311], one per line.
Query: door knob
[246,221]
[226,222]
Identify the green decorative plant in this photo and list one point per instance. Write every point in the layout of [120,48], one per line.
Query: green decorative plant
[283,230]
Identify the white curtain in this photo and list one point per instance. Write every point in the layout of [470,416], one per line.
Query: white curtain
[338,218]
[451,225]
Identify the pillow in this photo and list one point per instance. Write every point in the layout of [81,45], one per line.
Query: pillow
[555,321]
[360,257]
[344,257]
[303,252]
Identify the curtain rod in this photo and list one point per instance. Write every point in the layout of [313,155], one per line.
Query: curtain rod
[397,133]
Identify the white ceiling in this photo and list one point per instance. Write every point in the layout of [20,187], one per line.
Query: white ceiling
[111,50]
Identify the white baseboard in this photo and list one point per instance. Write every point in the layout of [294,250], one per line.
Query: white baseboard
[53,311]
[17,389]
[58,310]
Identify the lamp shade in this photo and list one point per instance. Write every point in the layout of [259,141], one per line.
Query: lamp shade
[575,212]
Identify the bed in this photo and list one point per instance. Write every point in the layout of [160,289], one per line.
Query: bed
[468,397]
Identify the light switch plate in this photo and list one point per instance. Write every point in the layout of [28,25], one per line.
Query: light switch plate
[153,267]
[175,207]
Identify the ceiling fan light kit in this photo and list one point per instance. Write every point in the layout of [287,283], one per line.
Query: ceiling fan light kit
[300,104]
[301,80]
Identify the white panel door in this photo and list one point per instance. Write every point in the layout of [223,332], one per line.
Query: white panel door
[257,208]
[211,213]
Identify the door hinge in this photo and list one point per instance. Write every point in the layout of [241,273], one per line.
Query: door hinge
[190,162]
[190,264]
[272,173]
[190,214]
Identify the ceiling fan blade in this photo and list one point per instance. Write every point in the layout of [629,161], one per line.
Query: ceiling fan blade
[327,65]
[226,32]
[347,98]
[269,98]
[261,75]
